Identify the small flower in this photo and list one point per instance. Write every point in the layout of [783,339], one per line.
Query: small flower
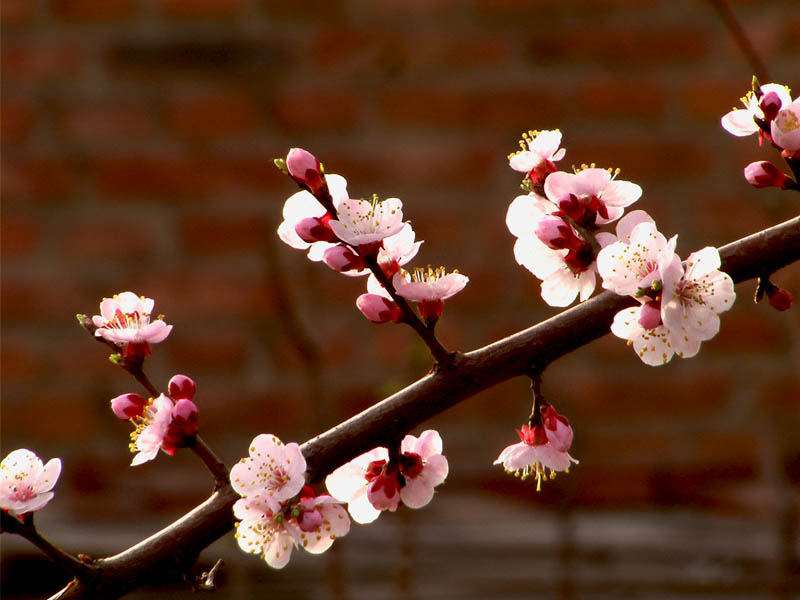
[535,454]
[429,288]
[125,320]
[273,529]
[151,430]
[305,169]
[740,122]
[303,205]
[372,483]
[398,250]
[365,222]
[785,128]
[591,196]
[25,482]
[762,173]
[540,149]
[273,469]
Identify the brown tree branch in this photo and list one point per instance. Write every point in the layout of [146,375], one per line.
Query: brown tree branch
[178,544]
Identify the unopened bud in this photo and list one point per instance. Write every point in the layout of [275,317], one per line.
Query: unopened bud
[763,174]
[306,170]
[556,234]
[650,315]
[315,229]
[770,104]
[128,406]
[378,309]
[779,298]
[181,386]
[342,259]
[310,520]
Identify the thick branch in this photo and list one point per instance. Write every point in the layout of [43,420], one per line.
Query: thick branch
[535,347]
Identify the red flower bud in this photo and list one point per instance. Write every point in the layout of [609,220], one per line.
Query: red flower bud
[315,229]
[763,173]
[181,386]
[378,309]
[306,170]
[128,406]
[779,298]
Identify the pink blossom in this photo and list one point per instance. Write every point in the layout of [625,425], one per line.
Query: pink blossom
[535,454]
[540,149]
[372,483]
[378,309]
[743,122]
[591,196]
[26,483]
[303,205]
[365,222]
[128,406]
[557,429]
[429,284]
[305,169]
[763,173]
[181,386]
[151,430]
[125,319]
[397,250]
[273,469]
[785,128]
[273,529]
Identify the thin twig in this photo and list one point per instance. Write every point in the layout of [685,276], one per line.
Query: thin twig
[212,461]
[740,37]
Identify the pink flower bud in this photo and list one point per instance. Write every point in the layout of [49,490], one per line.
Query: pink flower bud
[341,259]
[306,170]
[763,173]
[779,298]
[770,103]
[315,229]
[181,386]
[310,520]
[650,315]
[378,309]
[556,234]
[183,424]
[128,406]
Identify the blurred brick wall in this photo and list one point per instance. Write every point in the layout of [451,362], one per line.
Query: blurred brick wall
[138,140]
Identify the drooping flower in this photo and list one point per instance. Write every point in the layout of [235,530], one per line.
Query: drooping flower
[273,529]
[26,483]
[785,127]
[591,196]
[540,149]
[367,222]
[302,206]
[535,454]
[372,483]
[743,122]
[273,469]
[125,320]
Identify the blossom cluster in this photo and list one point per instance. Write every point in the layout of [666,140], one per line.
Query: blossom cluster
[558,239]
[359,237]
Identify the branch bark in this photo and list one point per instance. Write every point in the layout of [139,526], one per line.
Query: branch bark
[179,543]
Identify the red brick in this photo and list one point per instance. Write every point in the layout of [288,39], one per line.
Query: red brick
[708,100]
[213,114]
[42,61]
[93,10]
[22,299]
[166,177]
[626,48]
[723,217]
[618,98]
[110,238]
[310,10]
[17,12]
[313,109]
[209,351]
[20,235]
[33,178]
[16,120]
[250,172]
[18,359]
[203,9]
[214,233]
[93,121]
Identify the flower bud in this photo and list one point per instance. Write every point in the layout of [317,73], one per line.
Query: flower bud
[763,173]
[556,234]
[430,311]
[384,490]
[770,104]
[650,315]
[779,298]
[378,309]
[181,386]
[184,414]
[128,406]
[315,229]
[306,170]
[310,520]
[557,429]
[342,259]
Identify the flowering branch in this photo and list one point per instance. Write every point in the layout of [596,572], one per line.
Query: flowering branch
[528,350]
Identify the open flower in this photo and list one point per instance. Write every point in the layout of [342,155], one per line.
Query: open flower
[372,483]
[273,469]
[429,288]
[742,122]
[591,196]
[26,483]
[535,454]
[785,127]
[273,528]
[151,430]
[540,149]
[302,206]
[125,320]
[365,222]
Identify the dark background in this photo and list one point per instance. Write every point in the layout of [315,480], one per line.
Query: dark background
[137,147]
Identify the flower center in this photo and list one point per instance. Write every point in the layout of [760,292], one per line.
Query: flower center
[133,320]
